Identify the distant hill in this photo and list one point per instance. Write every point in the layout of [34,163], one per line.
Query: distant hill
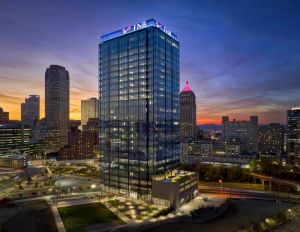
[210,127]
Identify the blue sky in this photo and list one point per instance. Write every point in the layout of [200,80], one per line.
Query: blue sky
[241,57]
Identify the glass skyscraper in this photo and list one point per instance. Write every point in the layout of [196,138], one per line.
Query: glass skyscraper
[139,106]
[293,145]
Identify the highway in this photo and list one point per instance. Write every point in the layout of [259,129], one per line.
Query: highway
[249,194]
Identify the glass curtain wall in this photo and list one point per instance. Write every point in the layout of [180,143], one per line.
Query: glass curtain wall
[139,110]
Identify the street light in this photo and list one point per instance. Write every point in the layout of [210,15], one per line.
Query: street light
[93,186]
[289,211]
[267,220]
[221,182]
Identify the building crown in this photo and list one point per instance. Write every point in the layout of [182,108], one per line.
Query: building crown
[187,88]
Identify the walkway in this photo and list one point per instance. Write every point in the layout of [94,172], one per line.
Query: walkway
[293,225]
[58,221]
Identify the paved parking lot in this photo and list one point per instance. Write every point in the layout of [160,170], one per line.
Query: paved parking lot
[34,216]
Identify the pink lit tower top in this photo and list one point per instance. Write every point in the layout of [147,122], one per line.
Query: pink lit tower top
[187,113]
[187,88]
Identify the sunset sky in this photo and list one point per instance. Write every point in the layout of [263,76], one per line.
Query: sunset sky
[241,57]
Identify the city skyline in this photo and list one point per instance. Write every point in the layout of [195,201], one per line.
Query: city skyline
[235,57]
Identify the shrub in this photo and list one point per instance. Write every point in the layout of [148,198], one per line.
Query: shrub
[260,227]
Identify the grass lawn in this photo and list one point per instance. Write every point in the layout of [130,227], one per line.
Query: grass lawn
[76,218]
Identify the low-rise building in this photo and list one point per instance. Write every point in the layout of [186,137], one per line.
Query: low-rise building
[13,161]
[178,187]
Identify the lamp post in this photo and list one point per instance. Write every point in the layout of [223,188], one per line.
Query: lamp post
[221,182]
[289,212]
[267,223]
[298,190]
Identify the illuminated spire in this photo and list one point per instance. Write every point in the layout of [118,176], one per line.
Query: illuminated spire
[187,88]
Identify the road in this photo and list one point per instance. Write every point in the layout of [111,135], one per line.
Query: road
[249,194]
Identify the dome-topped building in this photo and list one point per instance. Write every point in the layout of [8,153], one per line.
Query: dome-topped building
[187,113]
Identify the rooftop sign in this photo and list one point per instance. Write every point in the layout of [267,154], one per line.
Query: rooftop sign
[136,27]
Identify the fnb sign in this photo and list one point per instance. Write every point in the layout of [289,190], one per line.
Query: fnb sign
[136,27]
[148,23]
[139,26]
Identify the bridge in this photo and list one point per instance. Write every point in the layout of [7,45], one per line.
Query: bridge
[273,180]
[193,159]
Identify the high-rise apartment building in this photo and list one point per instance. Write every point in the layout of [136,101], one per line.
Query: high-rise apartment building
[30,110]
[293,137]
[4,116]
[81,145]
[57,101]
[244,132]
[89,109]
[271,139]
[139,106]
[187,113]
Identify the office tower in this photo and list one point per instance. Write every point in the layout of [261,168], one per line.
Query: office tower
[57,103]
[89,109]
[4,116]
[187,113]
[293,137]
[81,145]
[30,110]
[14,136]
[271,139]
[139,106]
[244,132]
[15,139]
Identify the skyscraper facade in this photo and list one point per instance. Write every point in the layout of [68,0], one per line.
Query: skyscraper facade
[139,106]
[244,132]
[293,138]
[4,116]
[271,139]
[187,113]
[30,110]
[89,109]
[14,136]
[57,101]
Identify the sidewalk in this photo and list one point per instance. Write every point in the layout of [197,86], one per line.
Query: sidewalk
[58,221]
